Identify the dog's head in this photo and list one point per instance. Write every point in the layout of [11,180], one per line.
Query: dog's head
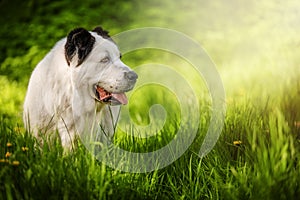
[97,66]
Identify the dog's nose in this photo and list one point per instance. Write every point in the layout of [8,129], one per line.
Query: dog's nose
[131,75]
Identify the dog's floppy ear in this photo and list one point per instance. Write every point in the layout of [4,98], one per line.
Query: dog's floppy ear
[103,33]
[100,31]
[80,42]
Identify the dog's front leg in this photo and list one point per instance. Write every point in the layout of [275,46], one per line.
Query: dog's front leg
[84,116]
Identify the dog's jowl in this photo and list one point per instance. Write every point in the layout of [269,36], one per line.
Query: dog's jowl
[78,87]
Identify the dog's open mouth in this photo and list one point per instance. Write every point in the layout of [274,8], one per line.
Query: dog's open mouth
[111,98]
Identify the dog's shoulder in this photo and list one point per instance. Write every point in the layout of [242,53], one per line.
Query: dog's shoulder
[54,60]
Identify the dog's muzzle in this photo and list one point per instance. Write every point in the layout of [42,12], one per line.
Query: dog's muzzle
[104,96]
[131,76]
[115,98]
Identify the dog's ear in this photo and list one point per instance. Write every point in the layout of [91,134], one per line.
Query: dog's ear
[103,33]
[100,31]
[80,42]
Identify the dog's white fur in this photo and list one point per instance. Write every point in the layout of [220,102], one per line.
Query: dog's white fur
[61,96]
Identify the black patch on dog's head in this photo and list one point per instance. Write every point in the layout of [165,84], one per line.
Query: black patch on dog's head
[79,41]
[103,33]
[99,30]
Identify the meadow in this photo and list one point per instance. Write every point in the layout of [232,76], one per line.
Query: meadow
[255,49]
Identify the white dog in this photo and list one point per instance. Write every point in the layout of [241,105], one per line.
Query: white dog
[76,87]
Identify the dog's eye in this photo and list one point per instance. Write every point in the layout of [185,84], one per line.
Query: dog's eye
[105,60]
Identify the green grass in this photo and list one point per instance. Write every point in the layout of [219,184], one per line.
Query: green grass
[265,165]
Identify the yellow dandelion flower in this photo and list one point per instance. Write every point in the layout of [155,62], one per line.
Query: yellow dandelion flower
[15,163]
[25,148]
[8,154]
[9,144]
[297,124]
[3,160]
[237,142]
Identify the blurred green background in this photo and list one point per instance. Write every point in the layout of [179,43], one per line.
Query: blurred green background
[255,45]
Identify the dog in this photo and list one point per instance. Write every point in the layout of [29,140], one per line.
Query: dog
[78,87]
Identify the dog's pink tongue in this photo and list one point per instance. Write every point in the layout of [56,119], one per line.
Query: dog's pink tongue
[121,97]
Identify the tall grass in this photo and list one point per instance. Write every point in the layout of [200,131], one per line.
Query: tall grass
[265,163]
